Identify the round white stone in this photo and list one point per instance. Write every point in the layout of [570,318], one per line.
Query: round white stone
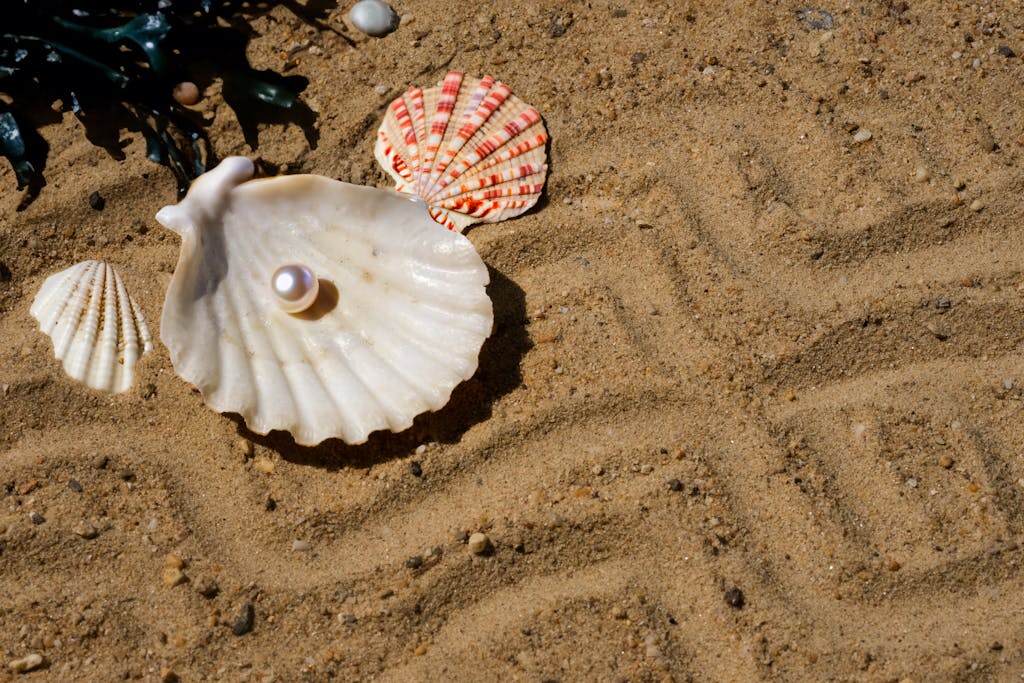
[373,17]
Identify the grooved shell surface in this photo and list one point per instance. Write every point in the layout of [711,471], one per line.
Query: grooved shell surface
[97,329]
[401,318]
[469,148]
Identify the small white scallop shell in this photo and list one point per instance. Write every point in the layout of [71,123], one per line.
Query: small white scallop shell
[97,329]
[472,150]
[401,314]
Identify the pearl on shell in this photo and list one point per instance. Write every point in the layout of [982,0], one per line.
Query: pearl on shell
[295,287]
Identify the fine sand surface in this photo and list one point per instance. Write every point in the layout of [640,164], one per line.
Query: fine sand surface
[751,409]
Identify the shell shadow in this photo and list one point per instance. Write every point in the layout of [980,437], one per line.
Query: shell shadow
[471,402]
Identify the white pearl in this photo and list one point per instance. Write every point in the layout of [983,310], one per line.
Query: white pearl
[373,17]
[295,287]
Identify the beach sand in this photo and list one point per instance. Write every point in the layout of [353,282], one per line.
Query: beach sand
[751,409]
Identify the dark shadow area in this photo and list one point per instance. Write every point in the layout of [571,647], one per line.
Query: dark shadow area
[115,65]
[471,402]
[327,297]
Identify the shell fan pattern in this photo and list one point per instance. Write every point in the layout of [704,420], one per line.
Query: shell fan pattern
[318,307]
[469,148]
[97,329]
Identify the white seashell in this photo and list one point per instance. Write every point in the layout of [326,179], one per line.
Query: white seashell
[373,17]
[469,148]
[399,321]
[97,329]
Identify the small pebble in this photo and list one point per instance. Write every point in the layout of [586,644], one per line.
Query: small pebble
[862,135]
[943,303]
[381,89]
[74,485]
[100,462]
[264,465]
[1005,51]
[921,175]
[186,93]
[734,598]
[618,612]
[373,17]
[207,587]
[172,576]
[246,448]
[414,562]
[646,469]
[415,469]
[244,620]
[86,530]
[597,470]
[912,483]
[301,546]
[26,663]
[96,201]
[977,205]
[36,518]
[479,543]
[675,485]
[462,536]
[945,461]
[172,560]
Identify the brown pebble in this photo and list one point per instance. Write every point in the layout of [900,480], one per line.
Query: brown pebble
[264,465]
[172,560]
[893,566]
[86,530]
[173,576]
[945,461]
[186,93]
[207,587]
[28,487]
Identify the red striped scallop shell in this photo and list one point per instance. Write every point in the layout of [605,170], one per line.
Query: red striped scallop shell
[472,150]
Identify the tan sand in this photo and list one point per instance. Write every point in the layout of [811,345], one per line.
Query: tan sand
[817,341]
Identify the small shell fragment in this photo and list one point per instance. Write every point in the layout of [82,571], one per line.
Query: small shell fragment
[97,329]
[469,148]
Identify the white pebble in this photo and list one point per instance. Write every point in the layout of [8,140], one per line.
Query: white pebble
[479,543]
[381,89]
[301,546]
[862,135]
[912,483]
[977,205]
[26,663]
[373,17]
[922,175]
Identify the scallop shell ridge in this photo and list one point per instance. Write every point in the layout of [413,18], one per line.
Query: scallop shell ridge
[97,329]
[405,316]
[472,150]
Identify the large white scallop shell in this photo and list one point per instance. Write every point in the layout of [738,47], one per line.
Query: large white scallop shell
[410,309]
[97,329]
[469,148]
